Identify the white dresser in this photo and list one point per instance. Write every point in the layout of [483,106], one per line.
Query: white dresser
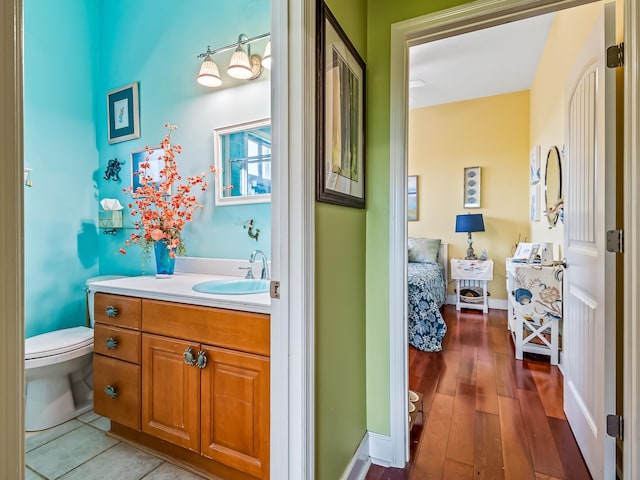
[534,309]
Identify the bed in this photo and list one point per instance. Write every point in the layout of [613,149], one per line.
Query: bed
[427,290]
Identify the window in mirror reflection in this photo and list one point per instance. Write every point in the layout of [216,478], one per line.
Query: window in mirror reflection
[243,160]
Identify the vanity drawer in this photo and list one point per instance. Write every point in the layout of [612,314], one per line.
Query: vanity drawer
[124,379]
[117,310]
[238,330]
[117,342]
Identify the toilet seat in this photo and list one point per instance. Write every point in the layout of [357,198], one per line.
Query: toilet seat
[57,342]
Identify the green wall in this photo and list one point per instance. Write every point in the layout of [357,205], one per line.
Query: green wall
[340,308]
[381,14]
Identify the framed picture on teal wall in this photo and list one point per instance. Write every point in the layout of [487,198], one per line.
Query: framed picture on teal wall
[340,156]
[123,115]
[148,163]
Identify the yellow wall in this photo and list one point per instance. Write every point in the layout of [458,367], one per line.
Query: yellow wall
[548,98]
[492,133]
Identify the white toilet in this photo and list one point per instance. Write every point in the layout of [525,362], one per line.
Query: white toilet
[59,373]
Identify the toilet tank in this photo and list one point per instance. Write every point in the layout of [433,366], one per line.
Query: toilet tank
[90,294]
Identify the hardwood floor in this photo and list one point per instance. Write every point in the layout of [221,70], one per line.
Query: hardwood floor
[485,414]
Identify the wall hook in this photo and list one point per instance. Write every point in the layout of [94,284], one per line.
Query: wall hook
[251,232]
[113,170]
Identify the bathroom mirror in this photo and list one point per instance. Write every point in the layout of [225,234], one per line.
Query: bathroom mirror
[243,162]
[553,187]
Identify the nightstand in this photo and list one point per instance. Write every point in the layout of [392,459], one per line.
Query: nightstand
[472,275]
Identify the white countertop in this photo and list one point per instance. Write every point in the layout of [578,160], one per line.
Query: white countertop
[178,288]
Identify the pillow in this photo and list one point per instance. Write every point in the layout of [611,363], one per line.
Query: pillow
[424,250]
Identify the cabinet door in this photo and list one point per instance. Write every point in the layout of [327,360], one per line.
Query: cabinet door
[116,390]
[170,391]
[235,410]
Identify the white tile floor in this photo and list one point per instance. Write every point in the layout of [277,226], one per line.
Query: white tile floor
[79,449]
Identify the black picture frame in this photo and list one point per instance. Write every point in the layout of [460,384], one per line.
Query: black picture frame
[123,113]
[341,116]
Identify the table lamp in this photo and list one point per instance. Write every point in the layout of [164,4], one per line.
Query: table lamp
[470,222]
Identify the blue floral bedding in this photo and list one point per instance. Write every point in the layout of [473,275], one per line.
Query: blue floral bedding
[426,295]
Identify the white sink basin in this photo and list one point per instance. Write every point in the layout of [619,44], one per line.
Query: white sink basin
[241,286]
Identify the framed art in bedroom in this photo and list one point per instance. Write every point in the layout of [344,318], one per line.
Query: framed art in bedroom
[340,155]
[412,198]
[472,187]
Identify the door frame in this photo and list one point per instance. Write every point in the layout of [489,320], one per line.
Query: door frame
[454,21]
[292,342]
[11,244]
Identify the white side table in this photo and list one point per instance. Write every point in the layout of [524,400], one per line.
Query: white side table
[475,274]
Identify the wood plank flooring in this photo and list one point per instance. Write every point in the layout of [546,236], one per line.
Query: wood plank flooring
[485,414]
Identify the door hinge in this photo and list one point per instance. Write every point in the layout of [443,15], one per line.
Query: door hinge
[274,289]
[615,241]
[615,426]
[615,56]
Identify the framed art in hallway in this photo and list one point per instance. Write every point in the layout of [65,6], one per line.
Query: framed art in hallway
[123,114]
[340,155]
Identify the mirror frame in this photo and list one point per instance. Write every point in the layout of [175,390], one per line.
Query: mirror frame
[553,211]
[221,200]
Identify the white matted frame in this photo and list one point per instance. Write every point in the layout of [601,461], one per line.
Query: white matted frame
[472,187]
[457,20]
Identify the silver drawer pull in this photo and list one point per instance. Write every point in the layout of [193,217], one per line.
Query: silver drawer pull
[111,311]
[111,343]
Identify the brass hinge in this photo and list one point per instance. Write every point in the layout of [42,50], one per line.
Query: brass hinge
[615,426]
[615,56]
[274,289]
[615,241]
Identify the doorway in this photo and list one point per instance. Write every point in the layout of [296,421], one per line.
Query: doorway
[405,35]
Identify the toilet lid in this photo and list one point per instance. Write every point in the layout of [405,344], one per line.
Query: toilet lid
[57,342]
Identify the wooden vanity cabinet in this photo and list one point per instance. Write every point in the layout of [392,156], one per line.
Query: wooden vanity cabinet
[218,406]
[116,359]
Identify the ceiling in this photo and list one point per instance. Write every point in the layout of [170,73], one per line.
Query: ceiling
[487,62]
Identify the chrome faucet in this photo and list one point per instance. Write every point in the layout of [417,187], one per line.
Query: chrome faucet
[265,267]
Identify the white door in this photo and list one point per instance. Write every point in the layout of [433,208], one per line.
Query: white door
[588,357]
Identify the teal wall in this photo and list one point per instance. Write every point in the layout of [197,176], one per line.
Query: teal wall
[340,303]
[60,66]
[77,50]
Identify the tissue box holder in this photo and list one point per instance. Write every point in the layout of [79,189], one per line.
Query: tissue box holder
[109,218]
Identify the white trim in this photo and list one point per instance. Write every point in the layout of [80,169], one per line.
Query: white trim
[631,454]
[292,318]
[11,244]
[360,462]
[380,449]
[444,23]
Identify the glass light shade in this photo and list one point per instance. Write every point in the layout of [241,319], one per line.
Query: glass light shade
[239,66]
[266,59]
[209,75]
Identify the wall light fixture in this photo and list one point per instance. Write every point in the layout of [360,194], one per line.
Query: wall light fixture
[243,64]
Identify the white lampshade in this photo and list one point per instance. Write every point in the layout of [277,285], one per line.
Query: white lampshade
[266,59]
[239,66]
[209,75]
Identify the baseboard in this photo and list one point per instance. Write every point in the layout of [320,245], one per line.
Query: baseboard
[497,304]
[380,449]
[360,463]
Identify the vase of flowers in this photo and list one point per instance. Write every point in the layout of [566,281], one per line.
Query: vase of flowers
[163,206]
